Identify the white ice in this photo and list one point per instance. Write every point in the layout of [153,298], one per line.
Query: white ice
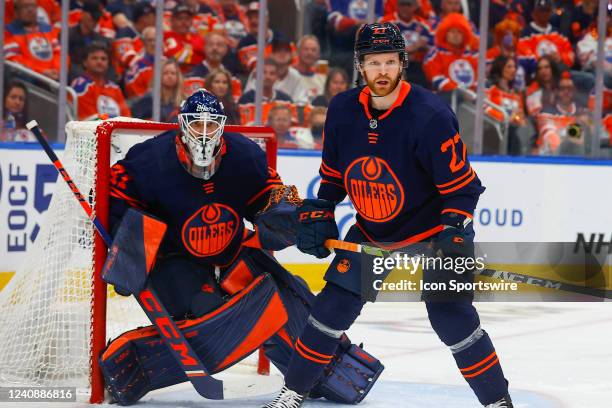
[555,355]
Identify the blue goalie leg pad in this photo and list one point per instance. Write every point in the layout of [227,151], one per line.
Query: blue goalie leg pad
[350,376]
[220,338]
[125,377]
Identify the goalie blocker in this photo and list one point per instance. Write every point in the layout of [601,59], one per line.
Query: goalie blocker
[264,305]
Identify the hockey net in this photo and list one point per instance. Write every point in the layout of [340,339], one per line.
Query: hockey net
[57,314]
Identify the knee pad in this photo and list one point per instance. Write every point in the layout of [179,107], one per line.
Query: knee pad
[453,322]
[335,308]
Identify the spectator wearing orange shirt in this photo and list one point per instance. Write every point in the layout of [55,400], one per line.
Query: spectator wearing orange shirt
[140,74]
[452,63]
[247,47]
[104,26]
[128,43]
[233,20]
[541,38]
[216,49]
[541,93]
[562,126]
[425,9]
[180,43]
[48,12]
[96,95]
[503,93]
[31,44]
[505,41]
[417,35]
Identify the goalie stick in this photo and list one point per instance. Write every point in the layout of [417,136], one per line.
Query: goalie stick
[181,350]
[491,273]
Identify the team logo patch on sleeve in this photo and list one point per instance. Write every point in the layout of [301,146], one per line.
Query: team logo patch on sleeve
[374,189]
[210,230]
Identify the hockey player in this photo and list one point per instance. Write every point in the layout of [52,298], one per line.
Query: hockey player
[395,149]
[210,269]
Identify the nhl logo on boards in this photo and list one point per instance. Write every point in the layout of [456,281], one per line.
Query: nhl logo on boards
[373,123]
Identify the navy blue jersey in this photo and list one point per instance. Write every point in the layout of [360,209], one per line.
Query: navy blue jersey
[205,218]
[401,170]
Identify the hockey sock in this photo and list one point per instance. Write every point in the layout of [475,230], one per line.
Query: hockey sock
[458,326]
[334,310]
[313,351]
[481,368]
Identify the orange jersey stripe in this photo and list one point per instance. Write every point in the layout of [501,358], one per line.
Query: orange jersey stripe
[458,179]
[410,240]
[256,196]
[333,172]
[457,187]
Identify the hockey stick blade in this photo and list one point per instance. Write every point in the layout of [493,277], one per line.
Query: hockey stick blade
[181,350]
[333,244]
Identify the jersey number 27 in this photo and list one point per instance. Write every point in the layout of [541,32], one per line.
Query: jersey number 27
[454,165]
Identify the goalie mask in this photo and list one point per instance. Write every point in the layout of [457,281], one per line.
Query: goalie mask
[201,119]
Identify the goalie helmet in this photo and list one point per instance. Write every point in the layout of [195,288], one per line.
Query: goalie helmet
[202,120]
[377,38]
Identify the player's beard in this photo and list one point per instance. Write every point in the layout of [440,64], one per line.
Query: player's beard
[382,90]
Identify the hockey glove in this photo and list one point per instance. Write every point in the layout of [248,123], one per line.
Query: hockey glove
[456,239]
[316,224]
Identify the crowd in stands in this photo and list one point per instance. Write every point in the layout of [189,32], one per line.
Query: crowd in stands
[540,63]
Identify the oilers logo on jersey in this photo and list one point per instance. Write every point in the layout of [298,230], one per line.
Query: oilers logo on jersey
[461,72]
[545,47]
[358,9]
[40,48]
[374,189]
[107,105]
[210,230]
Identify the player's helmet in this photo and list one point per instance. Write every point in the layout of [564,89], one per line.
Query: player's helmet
[201,119]
[377,38]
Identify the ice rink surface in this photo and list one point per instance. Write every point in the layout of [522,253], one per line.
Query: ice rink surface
[555,355]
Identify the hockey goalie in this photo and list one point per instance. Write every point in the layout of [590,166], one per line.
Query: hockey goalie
[178,205]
